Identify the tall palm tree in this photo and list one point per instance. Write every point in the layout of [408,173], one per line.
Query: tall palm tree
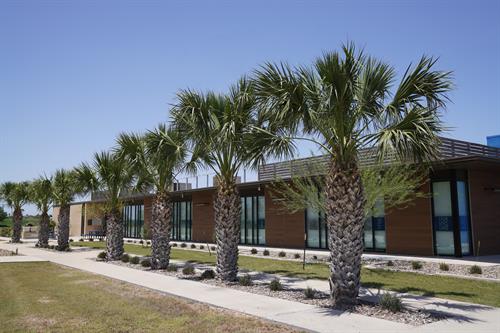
[157,158]
[40,193]
[110,175]
[344,102]
[221,130]
[64,190]
[16,196]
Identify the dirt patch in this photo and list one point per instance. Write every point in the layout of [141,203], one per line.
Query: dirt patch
[38,324]
[45,300]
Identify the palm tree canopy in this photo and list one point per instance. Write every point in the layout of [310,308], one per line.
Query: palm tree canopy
[347,101]
[64,187]
[15,194]
[157,157]
[108,174]
[40,193]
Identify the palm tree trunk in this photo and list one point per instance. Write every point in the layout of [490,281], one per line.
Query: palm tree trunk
[63,228]
[161,225]
[17,225]
[345,220]
[227,230]
[43,232]
[114,235]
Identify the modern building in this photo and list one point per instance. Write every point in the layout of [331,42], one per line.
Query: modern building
[460,216]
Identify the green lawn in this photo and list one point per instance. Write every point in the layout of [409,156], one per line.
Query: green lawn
[45,297]
[467,290]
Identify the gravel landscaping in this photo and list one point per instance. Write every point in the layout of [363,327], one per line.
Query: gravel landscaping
[489,272]
[407,316]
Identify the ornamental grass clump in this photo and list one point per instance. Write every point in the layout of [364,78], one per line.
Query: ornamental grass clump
[265,252]
[390,263]
[391,302]
[253,251]
[310,293]
[296,256]
[193,246]
[146,262]
[444,266]
[416,264]
[282,254]
[188,270]
[245,280]
[101,255]
[208,274]
[135,260]
[183,245]
[275,285]
[125,258]
[475,270]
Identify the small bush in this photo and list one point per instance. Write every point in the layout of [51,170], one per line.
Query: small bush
[202,247]
[213,248]
[282,254]
[80,240]
[71,240]
[253,251]
[146,262]
[101,255]
[91,240]
[129,241]
[475,269]
[416,265]
[188,270]
[125,258]
[148,243]
[183,245]
[390,263]
[208,274]
[296,256]
[391,302]
[245,280]
[265,252]
[193,246]
[172,268]
[135,242]
[315,257]
[53,247]
[275,285]
[135,260]
[309,293]
[174,244]
[141,242]
[444,266]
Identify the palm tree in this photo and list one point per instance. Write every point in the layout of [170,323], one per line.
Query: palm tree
[64,190]
[40,193]
[16,196]
[221,130]
[344,102]
[110,175]
[157,158]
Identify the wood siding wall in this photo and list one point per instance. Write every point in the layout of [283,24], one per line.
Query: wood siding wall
[409,230]
[485,211]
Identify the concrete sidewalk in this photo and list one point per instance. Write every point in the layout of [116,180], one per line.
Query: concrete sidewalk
[467,317]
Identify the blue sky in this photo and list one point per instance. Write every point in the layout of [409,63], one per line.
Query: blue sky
[74,74]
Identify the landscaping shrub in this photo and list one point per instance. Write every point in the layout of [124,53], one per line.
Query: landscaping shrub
[183,245]
[135,260]
[202,247]
[275,285]
[416,264]
[391,302]
[444,266]
[475,269]
[390,263]
[282,254]
[245,280]
[296,256]
[208,274]
[141,242]
[213,248]
[193,246]
[146,262]
[129,241]
[315,257]
[172,268]
[148,243]
[91,240]
[253,251]
[6,232]
[188,270]
[309,293]
[101,255]
[80,240]
[174,244]
[125,258]
[265,252]
[71,240]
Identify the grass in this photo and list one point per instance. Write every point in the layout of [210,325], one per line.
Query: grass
[42,297]
[467,290]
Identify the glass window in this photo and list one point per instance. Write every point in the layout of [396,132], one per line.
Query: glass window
[182,220]
[374,234]
[316,229]
[133,220]
[463,217]
[443,219]
[252,222]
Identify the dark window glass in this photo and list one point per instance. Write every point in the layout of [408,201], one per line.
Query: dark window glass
[253,220]
[133,221]
[182,220]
